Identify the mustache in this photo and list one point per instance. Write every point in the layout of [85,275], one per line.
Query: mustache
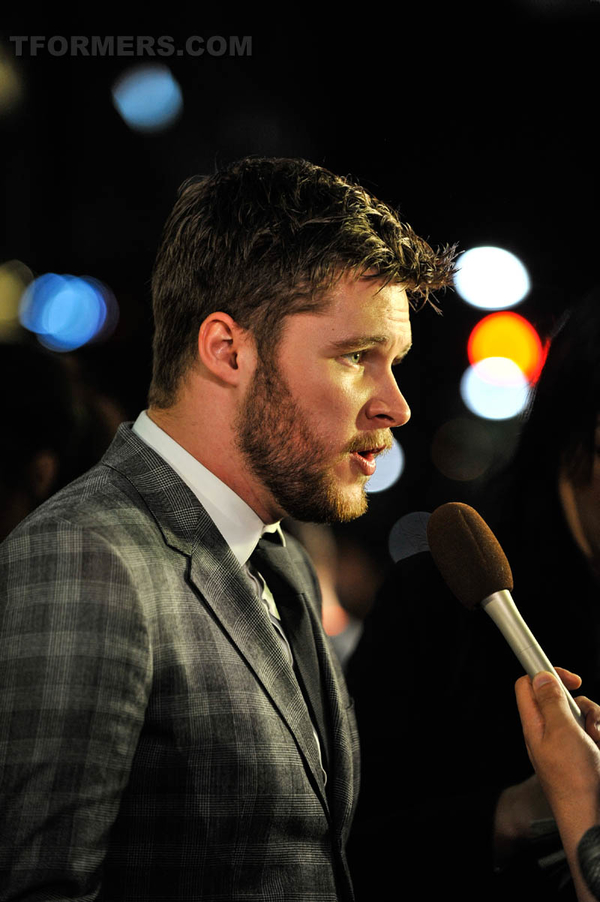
[382,440]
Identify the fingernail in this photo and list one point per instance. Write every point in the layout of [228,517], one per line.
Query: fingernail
[540,679]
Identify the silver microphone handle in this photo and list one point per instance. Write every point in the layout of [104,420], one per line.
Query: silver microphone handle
[505,614]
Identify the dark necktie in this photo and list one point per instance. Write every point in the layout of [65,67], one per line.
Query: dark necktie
[273,562]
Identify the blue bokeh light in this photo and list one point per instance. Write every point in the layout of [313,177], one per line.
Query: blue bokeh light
[66,311]
[148,98]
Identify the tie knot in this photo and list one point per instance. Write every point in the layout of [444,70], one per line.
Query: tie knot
[271,540]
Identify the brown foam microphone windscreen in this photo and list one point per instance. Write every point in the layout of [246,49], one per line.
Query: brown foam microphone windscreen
[467,553]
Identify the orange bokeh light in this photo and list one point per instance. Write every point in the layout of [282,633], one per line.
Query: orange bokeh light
[509,335]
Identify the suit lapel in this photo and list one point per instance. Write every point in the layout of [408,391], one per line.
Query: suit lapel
[218,580]
[344,737]
[228,592]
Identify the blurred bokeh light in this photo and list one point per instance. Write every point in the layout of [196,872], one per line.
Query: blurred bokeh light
[389,469]
[11,84]
[15,276]
[148,98]
[462,449]
[491,278]
[66,311]
[495,389]
[408,535]
[507,335]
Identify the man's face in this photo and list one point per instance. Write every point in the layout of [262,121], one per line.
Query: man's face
[314,422]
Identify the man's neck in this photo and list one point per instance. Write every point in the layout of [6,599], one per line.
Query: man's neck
[214,446]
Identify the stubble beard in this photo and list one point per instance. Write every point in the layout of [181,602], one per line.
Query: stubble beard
[276,441]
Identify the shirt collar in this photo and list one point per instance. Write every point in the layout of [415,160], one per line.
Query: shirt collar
[239,525]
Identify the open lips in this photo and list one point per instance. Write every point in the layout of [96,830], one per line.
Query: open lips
[365,459]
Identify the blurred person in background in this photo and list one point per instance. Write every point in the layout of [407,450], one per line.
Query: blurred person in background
[447,779]
[56,426]
[348,578]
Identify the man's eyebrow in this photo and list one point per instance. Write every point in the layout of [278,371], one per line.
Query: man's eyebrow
[358,342]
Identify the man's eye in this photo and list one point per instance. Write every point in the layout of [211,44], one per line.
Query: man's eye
[354,356]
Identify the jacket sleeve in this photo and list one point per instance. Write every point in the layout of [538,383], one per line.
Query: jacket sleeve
[75,677]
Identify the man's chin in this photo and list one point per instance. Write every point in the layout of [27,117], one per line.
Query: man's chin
[348,504]
[330,505]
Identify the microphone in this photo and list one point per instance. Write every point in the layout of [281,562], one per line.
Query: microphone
[475,568]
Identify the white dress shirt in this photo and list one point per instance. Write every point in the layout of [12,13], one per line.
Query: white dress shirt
[239,525]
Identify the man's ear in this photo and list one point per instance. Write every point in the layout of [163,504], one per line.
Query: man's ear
[225,349]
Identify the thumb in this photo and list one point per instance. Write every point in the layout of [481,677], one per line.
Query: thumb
[550,697]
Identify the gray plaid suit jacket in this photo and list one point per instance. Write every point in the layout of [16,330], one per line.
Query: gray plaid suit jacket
[154,743]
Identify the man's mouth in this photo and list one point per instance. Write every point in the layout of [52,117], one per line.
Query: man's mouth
[365,458]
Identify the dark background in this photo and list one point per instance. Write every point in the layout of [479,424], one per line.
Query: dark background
[478,121]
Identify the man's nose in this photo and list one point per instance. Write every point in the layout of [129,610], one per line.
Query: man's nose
[388,406]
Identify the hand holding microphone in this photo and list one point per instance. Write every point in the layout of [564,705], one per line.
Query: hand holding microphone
[475,568]
[566,758]
[567,763]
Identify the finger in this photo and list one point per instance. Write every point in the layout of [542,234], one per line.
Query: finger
[550,699]
[570,679]
[529,712]
[591,712]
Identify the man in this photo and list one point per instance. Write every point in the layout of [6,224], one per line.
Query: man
[174,725]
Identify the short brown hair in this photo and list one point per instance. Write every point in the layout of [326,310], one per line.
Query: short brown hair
[265,238]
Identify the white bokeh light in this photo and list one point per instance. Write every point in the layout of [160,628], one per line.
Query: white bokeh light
[495,389]
[491,278]
[389,469]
